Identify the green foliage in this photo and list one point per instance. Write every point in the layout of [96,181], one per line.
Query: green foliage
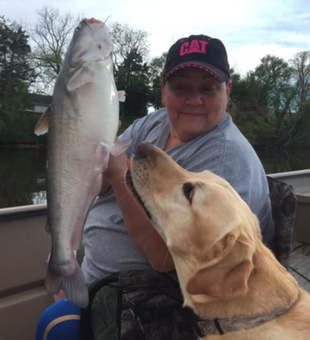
[16,74]
[265,135]
[263,103]
[126,41]
[304,126]
[131,71]
[301,78]
[17,127]
[156,67]
[126,122]
[132,76]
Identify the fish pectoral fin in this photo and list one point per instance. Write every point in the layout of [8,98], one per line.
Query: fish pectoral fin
[81,77]
[102,157]
[121,96]
[120,147]
[42,125]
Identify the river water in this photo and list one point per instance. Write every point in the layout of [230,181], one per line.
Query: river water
[22,172]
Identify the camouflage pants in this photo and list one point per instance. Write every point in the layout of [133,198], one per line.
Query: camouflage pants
[151,307]
[104,314]
[145,305]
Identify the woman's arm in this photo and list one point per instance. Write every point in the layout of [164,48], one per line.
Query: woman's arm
[138,225]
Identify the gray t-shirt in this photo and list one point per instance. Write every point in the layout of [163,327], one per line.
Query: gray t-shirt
[223,150]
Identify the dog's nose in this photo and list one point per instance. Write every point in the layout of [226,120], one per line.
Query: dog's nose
[145,150]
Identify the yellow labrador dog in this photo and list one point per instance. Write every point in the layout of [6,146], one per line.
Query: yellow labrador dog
[227,276]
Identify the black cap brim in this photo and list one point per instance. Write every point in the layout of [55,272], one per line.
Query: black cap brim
[214,71]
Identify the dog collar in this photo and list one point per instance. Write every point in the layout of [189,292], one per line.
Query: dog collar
[205,327]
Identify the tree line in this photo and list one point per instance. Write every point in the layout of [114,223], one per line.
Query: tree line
[270,104]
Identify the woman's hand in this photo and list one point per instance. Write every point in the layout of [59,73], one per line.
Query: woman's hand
[115,171]
[117,166]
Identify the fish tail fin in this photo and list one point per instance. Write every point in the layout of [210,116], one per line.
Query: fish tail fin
[73,285]
[75,288]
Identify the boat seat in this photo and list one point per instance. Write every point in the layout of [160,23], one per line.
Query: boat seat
[302,221]
[283,202]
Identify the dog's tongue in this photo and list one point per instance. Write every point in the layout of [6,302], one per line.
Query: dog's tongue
[129,163]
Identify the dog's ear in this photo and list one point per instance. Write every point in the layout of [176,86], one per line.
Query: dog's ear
[227,275]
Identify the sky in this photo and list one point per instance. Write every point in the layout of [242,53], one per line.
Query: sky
[250,29]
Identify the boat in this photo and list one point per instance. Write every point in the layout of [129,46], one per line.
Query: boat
[24,246]
[300,180]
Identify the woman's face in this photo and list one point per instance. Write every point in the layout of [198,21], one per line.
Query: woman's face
[195,102]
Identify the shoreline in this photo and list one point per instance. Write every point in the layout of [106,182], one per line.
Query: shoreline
[22,146]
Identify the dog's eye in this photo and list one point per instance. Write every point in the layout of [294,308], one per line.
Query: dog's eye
[188,190]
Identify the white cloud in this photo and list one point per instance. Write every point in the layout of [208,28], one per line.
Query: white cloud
[249,29]
[245,59]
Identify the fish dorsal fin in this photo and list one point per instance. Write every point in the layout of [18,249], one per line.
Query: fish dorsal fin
[121,96]
[42,125]
[119,147]
[81,77]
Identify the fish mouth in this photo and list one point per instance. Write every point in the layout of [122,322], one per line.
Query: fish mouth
[131,187]
[94,21]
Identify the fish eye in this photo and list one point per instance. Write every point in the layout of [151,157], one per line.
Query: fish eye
[78,28]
